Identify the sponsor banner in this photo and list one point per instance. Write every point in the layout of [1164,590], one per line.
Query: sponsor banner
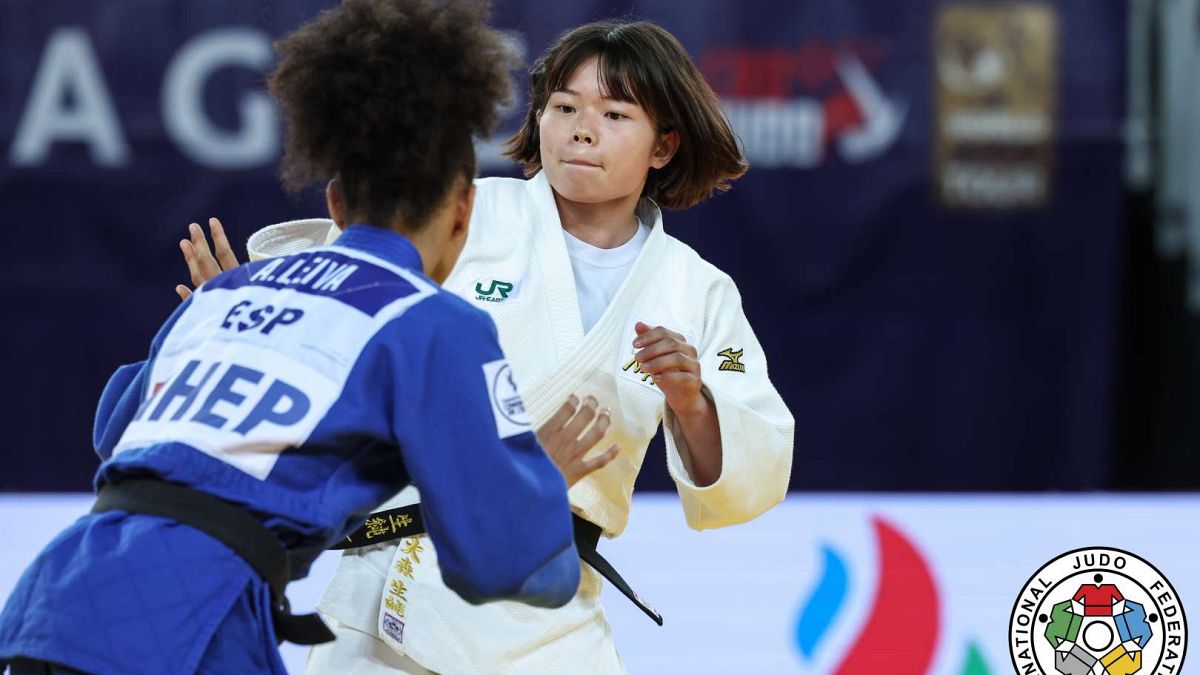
[928,237]
[862,584]
[996,78]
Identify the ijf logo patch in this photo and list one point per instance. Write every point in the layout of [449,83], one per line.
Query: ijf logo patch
[1097,611]
[507,405]
[393,627]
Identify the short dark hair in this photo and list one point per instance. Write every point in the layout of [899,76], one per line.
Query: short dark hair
[641,62]
[386,96]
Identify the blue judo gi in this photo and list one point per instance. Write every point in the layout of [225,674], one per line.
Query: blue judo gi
[308,389]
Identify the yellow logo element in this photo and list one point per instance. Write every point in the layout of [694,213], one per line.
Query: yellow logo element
[732,360]
[637,368]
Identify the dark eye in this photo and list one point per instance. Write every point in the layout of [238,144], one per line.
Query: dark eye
[565,109]
[616,116]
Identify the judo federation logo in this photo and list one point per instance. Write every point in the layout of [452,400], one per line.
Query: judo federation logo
[393,627]
[507,396]
[507,405]
[1097,611]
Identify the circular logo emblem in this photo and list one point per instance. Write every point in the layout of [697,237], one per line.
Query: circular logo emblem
[1097,611]
[508,399]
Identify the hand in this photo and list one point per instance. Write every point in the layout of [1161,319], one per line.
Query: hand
[567,443]
[673,365]
[201,262]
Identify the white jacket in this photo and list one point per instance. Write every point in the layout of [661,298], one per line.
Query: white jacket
[515,266]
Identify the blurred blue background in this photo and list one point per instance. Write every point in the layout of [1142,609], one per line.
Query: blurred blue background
[964,240]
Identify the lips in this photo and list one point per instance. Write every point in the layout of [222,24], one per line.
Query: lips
[581,162]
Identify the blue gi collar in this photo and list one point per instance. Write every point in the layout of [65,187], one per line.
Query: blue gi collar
[387,244]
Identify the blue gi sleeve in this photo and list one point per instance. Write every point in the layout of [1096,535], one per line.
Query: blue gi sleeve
[118,404]
[493,502]
[125,391]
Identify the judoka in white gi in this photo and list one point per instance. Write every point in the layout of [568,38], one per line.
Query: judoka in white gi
[591,295]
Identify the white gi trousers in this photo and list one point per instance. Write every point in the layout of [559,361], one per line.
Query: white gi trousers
[468,640]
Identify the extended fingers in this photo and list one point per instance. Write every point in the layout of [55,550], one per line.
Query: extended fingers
[225,255]
[583,417]
[205,261]
[601,460]
[594,433]
[560,416]
[193,262]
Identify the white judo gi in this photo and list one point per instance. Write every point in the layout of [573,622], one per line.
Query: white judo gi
[515,265]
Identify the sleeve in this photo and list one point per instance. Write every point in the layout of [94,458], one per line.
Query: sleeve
[124,393]
[756,426]
[493,502]
[118,406]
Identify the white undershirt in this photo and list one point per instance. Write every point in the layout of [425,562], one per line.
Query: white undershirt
[599,272]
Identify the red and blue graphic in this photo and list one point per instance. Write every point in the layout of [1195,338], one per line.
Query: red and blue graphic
[901,631]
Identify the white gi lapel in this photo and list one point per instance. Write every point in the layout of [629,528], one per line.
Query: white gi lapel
[594,350]
[558,280]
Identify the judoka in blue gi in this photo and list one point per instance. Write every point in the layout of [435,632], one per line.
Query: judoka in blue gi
[287,398]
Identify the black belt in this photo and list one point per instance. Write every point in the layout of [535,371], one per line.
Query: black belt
[231,525]
[406,521]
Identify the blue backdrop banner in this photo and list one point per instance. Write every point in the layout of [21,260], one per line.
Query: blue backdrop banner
[926,243]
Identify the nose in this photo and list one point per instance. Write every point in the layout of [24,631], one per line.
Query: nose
[584,136]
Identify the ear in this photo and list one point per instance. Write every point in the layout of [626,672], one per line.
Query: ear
[335,200]
[462,216]
[668,144]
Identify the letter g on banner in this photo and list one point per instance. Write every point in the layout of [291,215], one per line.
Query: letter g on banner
[256,142]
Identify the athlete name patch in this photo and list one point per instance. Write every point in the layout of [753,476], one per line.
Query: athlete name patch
[507,405]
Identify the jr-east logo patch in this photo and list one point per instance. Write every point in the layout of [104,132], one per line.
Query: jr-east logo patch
[495,290]
[1098,611]
[507,405]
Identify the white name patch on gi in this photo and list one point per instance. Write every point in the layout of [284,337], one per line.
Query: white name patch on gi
[240,414]
[507,405]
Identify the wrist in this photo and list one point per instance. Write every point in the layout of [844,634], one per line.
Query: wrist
[698,407]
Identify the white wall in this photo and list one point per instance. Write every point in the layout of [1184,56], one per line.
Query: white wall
[731,598]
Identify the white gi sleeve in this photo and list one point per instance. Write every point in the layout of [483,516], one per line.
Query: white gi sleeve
[756,426]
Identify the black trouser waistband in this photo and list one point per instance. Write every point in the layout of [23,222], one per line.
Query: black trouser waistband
[229,524]
[406,521]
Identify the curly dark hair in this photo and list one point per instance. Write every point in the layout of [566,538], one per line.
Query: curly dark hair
[387,96]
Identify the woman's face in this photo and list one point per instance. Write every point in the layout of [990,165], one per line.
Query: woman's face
[596,149]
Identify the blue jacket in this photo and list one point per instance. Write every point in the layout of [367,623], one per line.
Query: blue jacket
[308,388]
